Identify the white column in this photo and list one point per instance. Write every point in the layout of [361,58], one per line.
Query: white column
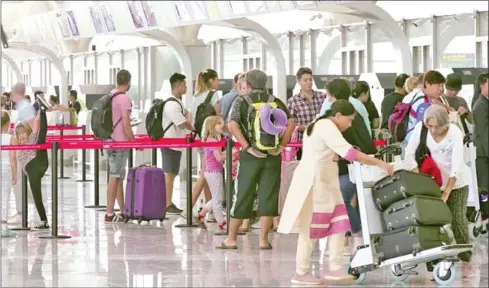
[95,68]
[70,80]
[434,43]
[301,51]
[145,75]
[214,55]
[152,75]
[344,54]
[244,53]
[369,62]
[263,58]
[122,54]
[478,44]
[140,51]
[313,36]
[291,53]
[220,44]
[29,73]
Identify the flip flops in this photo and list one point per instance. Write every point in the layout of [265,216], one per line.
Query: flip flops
[223,246]
[268,247]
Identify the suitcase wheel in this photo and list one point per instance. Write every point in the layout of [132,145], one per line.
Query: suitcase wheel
[358,277]
[474,231]
[140,219]
[444,273]
[162,219]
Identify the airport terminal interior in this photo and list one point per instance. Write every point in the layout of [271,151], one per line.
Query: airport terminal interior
[71,54]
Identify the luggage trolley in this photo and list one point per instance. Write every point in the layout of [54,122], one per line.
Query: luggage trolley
[476,223]
[365,258]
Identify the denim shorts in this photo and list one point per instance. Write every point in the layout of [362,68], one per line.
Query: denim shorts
[117,163]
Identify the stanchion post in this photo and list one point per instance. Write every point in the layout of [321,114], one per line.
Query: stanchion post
[25,206]
[54,196]
[229,186]
[154,159]
[96,182]
[189,189]
[130,159]
[61,156]
[84,159]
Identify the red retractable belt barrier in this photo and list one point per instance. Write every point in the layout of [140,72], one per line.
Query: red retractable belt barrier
[46,146]
[57,127]
[380,143]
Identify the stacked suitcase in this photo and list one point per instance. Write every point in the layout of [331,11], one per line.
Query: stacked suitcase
[413,212]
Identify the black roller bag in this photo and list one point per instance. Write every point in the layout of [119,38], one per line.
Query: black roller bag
[408,241]
[418,211]
[402,185]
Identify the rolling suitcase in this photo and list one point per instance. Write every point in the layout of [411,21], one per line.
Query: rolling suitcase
[418,211]
[145,194]
[402,185]
[409,240]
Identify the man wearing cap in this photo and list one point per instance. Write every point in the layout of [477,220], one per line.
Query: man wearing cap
[452,88]
[258,171]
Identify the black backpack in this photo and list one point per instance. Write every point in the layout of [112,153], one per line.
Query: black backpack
[204,110]
[154,119]
[102,125]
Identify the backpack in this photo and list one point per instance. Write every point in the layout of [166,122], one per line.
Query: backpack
[426,164]
[154,119]
[399,119]
[101,122]
[258,138]
[204,110]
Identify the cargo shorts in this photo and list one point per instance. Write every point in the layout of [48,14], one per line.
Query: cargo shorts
[117,163]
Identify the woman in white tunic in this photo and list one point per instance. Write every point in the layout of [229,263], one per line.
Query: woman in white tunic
[314,206]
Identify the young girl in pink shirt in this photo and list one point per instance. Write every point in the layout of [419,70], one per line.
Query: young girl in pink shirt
[214,158]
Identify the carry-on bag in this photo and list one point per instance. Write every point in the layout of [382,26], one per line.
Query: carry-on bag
[145,194]
[402,185]
[418,211]
[410,240]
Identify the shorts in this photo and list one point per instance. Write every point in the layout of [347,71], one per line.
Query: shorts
[257,177]
[117,163]
[170,161]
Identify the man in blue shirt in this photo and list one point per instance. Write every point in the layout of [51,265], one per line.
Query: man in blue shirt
[228,99]
[25,111]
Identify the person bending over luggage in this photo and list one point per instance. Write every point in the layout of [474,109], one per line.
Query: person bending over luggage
[260,160]
[214,158]
[444,142]
[34,162]
[314,206]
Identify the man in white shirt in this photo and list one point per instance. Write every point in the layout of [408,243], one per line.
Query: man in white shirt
[25,111]
[176,124]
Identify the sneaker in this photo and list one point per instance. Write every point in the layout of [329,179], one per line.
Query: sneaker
[16,219]
[42,226]
[173,210]
[338,275]
[306,279]
[113,218]
[211,218]
[6,233]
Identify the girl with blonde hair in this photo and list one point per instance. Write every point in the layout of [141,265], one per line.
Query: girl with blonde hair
[214,158]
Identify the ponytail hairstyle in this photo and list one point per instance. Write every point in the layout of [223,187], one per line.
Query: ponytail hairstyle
[209,128]
[360,87]
[202,83]
[344,107]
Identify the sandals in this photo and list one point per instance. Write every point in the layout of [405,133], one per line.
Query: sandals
[200,220]
[223,246]
[268,247]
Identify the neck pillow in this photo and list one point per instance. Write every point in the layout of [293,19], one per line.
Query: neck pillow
[279,123]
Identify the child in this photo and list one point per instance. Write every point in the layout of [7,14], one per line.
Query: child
[9,174]
[214,158]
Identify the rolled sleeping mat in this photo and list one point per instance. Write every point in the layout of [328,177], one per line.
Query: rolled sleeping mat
[279,123]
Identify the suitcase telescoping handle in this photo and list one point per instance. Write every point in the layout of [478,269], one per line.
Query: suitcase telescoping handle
[402,207]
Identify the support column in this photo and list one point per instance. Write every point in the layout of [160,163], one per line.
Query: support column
[220,44]
[122,54]
[263,58]
[344,54]
[140,52]
[145,78]
[301,51]
[369,62]
[29,73]
[214,55]
[152,76]
[49,71]
[313,36]
[434,43]
[291,53]
[244,53]
[95,68]
[70,80]
[477,40]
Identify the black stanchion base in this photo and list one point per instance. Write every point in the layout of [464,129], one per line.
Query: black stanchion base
[188,226]
[20,229]
[96,207]
[55,237]
[64,177]
[87,180]
[225,233]
[103,210]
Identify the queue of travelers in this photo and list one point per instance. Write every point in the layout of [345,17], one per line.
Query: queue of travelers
[336,128]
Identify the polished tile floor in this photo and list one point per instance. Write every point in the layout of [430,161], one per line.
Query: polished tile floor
[161,255]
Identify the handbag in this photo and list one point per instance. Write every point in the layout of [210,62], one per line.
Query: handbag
[426,164]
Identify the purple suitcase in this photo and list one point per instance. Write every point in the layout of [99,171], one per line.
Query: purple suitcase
[145,194]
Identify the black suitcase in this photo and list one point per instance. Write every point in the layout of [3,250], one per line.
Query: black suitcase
[418,211]
[409,240]
[402,185]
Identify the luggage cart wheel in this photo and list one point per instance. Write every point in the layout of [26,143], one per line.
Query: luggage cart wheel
[444,273]
[474,231]
[398,276]
[357,277]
